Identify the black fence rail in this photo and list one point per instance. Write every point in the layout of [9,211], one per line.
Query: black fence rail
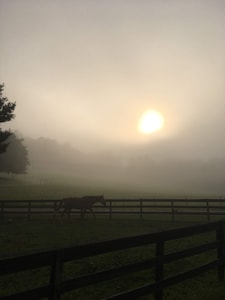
[56,259]
[140,207]
[173,207]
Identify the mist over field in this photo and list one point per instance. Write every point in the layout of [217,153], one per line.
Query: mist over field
[82,73]
[134,169]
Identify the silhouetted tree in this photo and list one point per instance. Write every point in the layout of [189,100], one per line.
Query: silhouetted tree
[6,114]
[15,159]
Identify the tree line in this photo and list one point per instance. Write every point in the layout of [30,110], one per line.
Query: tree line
[13,154]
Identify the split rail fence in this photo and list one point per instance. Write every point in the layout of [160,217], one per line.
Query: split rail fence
[141,207]
[56,260]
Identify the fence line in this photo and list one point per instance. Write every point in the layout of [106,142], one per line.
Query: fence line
[141,207]
[56,259]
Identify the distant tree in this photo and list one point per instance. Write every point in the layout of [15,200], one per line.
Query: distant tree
[15,159]
[6,114]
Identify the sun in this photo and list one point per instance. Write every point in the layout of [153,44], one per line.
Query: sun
[150,122]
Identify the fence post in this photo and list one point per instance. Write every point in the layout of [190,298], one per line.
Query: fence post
[56,276]
[2,210]
[141,209]
[110,209]
[208,213]
[54,209]
[159,269]
[29,210]
[172,209]
[221,250]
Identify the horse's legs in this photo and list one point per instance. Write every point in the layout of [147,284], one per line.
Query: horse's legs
[83,211]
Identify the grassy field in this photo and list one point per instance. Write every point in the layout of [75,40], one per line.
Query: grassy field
[19,236]
[50,186]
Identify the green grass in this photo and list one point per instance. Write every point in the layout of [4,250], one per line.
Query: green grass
[54,186]
[41,233]
[22,236]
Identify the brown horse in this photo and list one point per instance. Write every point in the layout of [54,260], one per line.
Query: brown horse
[83,203]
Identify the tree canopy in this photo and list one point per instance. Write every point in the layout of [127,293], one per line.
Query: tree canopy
[15,159]
[6,114]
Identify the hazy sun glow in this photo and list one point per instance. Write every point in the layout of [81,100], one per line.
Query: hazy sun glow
[150,122]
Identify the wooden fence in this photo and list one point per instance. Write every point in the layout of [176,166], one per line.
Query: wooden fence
[57,258]
[141,207]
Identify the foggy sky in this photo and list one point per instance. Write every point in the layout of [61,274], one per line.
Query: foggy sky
[84,71]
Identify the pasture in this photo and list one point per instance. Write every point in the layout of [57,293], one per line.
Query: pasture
[19,236]
[51,186]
